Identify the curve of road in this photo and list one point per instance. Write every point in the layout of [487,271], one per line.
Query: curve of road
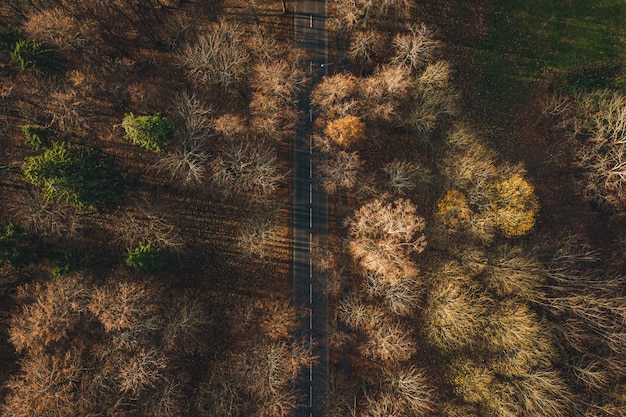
[310,217]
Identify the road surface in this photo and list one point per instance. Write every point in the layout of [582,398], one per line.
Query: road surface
[310,217]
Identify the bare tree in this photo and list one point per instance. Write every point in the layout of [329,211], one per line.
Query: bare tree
[414,49]
[364,44]
[383,235]
[45,217]
[247,170]
[401,298]
[403,176]
[413,389]
[221,56]
[388,341]
[340,171]
[187,164]
[272,118]
[455,312]
[597,122]
[384,92]
[336,96]
[258,237]
[140,371]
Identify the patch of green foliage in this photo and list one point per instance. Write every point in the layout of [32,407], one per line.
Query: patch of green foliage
[14,245]
[149,258]
[70,261]
[38,137]
[38,56]
[152,132]
[76,175]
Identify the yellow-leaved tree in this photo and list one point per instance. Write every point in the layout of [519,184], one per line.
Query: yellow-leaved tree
[514,205]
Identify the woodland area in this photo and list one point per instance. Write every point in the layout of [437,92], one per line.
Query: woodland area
[477,233]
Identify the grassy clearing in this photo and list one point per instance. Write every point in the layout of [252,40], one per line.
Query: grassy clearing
[579,43]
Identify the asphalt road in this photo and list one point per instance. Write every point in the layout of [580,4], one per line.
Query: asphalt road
[310,217]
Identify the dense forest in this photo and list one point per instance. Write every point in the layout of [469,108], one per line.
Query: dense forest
[475,264]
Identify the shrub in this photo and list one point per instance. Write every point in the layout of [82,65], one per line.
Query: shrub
[34,55]
[147,257]
[80,176]
[37,137]
[151,132]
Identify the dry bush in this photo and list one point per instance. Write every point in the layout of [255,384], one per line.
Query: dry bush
[146,225]
[247,170]
[453,210]
[336,96]
[259,237]
[514,204]
[69,110]
[364,44]
[384,92]
[455,313]
[221,56]
[57,28]
[340,171]
[414,48]
[44,217]
[56,310]
[382,236]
